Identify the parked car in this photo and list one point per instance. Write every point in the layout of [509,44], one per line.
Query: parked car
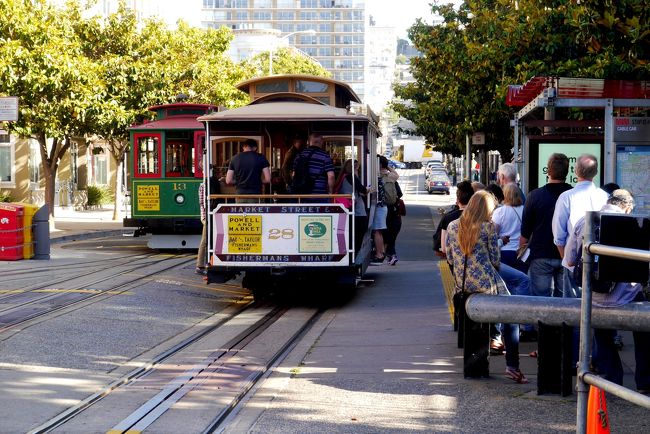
[396,164]
[437,182]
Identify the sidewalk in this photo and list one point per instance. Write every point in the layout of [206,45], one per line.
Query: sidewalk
[72,225]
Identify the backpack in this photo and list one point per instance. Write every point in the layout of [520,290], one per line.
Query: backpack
[603,287]
[390,192]
[302,182]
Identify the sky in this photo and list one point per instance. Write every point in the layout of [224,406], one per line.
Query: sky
[400,14]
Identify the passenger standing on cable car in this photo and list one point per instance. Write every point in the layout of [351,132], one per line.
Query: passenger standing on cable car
[297,145]
[319,178]
[215,188]
[248,170]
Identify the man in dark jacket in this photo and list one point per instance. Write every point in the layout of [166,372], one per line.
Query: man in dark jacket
[545,270]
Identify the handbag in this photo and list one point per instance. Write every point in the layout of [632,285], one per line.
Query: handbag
[401,207]
[345,201]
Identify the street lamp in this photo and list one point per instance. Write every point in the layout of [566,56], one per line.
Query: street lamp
[301,32]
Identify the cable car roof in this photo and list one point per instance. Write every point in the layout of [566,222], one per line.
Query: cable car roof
[244,86]
[174,123]
[284,111]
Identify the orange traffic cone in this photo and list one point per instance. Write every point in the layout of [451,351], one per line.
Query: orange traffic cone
[597,417]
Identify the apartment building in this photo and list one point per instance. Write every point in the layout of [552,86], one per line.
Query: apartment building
[338,29]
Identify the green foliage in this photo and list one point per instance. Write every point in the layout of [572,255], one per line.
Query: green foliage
[285,61]
[98,195]
[482,47]
[5,197]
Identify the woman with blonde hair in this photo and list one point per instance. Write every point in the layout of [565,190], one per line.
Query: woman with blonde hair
[473,252]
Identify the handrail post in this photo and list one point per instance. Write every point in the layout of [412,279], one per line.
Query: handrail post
[585,323]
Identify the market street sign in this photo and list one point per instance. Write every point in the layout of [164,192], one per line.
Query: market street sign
[9,108]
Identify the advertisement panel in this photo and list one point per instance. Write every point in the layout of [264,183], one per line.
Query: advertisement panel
[281,235]
[633,174]
[571,150]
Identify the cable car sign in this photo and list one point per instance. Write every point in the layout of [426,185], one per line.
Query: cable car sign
[9,108]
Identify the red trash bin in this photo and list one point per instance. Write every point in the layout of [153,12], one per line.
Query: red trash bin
[11,231]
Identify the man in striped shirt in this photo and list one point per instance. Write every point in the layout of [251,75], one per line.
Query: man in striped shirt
[320,166]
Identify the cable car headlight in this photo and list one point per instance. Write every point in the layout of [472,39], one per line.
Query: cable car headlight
[179,198]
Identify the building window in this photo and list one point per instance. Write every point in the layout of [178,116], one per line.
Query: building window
[34,161]
[286,16]
[7,161]
[308,3]
[286,28]
[286,4]
[100,166]
[262,15]
[263,4]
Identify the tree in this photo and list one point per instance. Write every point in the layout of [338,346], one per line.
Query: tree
[41,62]
[286,60]
[469,60]
[150,65]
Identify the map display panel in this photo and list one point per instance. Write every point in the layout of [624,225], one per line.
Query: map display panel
[633,174]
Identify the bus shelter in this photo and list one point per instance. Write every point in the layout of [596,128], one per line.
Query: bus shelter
[607,118]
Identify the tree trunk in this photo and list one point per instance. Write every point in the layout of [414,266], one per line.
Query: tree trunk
[49,174]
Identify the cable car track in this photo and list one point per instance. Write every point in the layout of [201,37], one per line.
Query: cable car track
[194,377]
[39,304]
[18,273]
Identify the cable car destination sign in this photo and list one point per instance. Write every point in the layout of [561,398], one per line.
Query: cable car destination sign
[262,235]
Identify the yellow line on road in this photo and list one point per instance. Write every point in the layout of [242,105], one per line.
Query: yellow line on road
[448,285]
[11,291]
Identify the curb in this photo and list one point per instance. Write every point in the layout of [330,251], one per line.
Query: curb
[88,235]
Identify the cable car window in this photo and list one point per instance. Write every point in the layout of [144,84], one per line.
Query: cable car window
[148,155]
[311,86]
[178,161]
[271,87]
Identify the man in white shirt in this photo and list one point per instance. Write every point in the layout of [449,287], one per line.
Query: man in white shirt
[570,207]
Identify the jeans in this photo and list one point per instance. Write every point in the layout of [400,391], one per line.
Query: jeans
[546,277]
[516,281]
[510,335]
[608,362]
[518,284]
[509,257]
[570,288]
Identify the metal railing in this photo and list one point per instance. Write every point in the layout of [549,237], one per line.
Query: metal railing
[586,378]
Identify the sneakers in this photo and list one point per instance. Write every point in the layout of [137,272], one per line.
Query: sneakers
[201,270]
[516,375]
[377,261]
[392,259]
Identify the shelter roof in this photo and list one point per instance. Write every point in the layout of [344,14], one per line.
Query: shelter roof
[581,88]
